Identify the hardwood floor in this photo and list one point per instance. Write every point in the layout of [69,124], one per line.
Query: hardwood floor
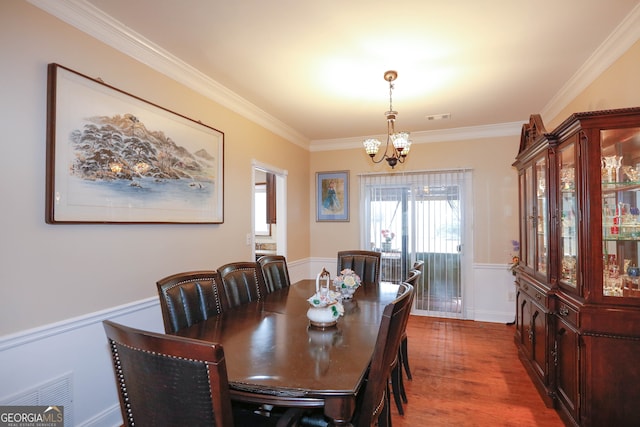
[468,373]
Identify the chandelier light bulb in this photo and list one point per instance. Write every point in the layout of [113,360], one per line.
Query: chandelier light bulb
[371,146]
[400,140]
[406,149]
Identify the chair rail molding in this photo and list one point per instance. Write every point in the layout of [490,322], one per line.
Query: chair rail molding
[76,348]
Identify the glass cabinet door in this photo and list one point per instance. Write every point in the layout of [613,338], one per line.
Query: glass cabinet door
[542,231]
[620,149]
[530,241]
[523,217]
[534,225]
[568,245]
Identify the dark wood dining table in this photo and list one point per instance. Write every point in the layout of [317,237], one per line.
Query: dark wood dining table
[274,357]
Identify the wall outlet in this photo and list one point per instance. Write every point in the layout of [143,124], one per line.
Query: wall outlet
[249,239]
[511,296]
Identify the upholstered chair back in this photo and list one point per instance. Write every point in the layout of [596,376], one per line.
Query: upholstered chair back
[167,381]
[190,297]
[275,271]
[243,282]
[366,264]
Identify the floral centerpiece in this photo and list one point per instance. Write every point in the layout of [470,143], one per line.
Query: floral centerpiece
[388,236]
[326,305]
[347,282]
[330,300]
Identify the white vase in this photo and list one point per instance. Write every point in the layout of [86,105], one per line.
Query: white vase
[323,317]
[347,292]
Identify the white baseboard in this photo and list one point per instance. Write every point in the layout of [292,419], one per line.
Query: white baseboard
[110,417]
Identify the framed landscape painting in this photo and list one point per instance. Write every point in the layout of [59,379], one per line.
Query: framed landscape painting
[115,158]
[332,196]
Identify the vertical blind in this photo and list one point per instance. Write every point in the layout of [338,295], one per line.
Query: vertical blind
[418,216]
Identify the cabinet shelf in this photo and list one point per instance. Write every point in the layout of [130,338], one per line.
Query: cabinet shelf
[612,187]
[620,239]
[626,232]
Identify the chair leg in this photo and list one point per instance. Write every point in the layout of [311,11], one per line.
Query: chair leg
[403,392]
[384,420]
[405,356]
[396,379]
[400,379]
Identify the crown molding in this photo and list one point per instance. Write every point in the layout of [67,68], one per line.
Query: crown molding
[619,41]
[92,21]
[429,136]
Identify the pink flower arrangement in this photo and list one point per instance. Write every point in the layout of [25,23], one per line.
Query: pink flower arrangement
[388,235]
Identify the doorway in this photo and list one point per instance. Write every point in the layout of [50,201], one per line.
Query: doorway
[421,216]
[268,236]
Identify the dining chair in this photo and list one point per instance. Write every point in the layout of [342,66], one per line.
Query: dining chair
[275,271]
[243,282]
[165,380]
[372,404]
[366,264]
[402,360]
[190,297]
[418,265]
[414,277]
[375,402]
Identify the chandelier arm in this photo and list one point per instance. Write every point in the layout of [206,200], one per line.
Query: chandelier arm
[384,153]
[379,160]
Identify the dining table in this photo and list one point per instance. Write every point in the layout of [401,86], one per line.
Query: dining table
[275,357]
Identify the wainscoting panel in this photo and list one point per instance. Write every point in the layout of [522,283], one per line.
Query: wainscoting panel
[493,293]
[77,349]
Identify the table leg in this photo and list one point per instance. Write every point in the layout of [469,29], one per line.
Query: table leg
[339,410]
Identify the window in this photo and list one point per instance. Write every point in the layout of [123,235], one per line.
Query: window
[419,216]
[260,203]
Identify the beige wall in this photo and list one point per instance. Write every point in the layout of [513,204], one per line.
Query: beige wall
[617,87]
[495,197]
[53,272]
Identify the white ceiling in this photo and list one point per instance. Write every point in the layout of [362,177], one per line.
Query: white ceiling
[317,66]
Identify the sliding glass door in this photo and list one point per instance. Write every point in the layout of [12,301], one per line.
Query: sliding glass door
[419,217]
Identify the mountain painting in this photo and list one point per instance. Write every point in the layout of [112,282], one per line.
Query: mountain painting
[146,164]
[121,155]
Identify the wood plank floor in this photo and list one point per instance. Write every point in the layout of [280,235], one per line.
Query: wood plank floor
[468,373]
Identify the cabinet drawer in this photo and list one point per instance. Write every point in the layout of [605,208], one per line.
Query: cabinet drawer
[567,313]
[535,293]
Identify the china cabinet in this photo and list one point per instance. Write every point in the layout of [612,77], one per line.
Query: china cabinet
[532,313]
[578,293]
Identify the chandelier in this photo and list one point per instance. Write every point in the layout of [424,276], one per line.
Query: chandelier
[398,143]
